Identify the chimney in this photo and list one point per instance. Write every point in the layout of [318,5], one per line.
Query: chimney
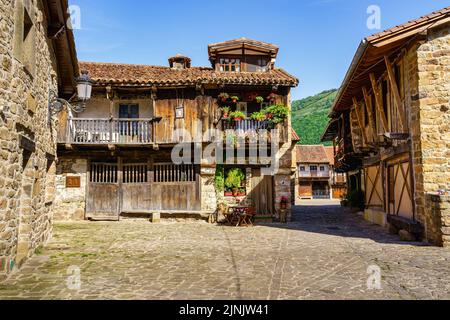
[180,62]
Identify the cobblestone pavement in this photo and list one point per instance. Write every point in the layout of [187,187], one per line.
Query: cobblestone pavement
[323,254]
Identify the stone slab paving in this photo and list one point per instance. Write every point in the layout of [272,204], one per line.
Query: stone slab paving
[323,254]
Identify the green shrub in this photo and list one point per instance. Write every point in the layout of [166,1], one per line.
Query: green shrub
[234,179]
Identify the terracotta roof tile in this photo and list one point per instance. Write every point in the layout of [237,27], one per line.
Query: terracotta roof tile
[330,154]
[145,75]
[311,154]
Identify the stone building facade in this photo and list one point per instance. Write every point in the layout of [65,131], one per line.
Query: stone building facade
[29,70]
[391,126]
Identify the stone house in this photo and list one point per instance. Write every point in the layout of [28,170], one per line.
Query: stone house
[316,177]
[116,157]
[37,57]
[390,126]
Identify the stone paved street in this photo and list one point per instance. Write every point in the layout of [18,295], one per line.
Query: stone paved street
[324,254]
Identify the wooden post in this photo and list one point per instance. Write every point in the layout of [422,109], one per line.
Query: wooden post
[372,122]
[379,103]
[397,97]
[119,185]
[360,121]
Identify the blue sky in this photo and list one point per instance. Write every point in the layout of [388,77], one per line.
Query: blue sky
[317,38]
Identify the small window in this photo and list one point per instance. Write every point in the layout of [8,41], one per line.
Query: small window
[230,65]
[302,169]
[322,168]
[24,38]
[313,168]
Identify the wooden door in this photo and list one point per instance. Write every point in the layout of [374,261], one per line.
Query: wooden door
[103,192]
[400,197]
[136,188]
[262,194]
[373,187]
[305,189]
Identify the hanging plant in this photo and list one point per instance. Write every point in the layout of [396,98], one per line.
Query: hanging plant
[225,112]
[224,97]
[259,99]
[235,99]
[277,113]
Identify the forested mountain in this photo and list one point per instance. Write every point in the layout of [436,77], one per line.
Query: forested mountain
[310,116]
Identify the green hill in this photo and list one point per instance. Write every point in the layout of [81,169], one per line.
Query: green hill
[310,116]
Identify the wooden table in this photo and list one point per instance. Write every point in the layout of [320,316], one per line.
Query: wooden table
[241,215]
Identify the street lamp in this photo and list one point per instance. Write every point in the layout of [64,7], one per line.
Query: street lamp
[84,92]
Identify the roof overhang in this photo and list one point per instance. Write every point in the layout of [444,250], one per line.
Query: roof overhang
[369,57]
[243,45]
[61,35]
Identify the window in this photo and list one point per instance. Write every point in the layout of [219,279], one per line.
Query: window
[24,37]
[313,168]
[229,65]
[302,169]
[322,168]
[257,64]
[169,172]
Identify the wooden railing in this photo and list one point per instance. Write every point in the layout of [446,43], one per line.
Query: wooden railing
[245,125]
[109,131]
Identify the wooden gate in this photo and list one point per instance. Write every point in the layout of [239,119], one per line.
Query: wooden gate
[373,187]
[262,194]
[102,192]
[141,188]
[400,197]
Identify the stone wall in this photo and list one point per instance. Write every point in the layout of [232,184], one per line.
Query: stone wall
[70,203]
[27,141]
[428,66]
[438,220]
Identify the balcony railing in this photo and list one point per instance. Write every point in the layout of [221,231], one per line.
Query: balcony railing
[110,131]
[245,125]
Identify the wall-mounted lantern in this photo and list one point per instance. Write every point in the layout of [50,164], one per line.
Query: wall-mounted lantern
[84,92]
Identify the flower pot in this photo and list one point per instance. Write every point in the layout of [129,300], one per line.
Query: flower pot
[241,194]
[234,100]
[228,194]
[269,116]
[224,99]
[226,115]
[235,192]
[237,119]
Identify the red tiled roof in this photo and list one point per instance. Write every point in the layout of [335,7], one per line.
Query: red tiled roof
[311,154]
[144,75]
[330,154]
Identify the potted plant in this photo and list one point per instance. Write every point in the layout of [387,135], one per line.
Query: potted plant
[242,192]
[259,99]
[237,116]
[258,116]
[224,97]
[234,180]
[228,193]
[234,99]
[225,112]
[277,113]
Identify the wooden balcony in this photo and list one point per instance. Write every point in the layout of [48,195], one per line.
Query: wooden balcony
[249,127]
[109,131]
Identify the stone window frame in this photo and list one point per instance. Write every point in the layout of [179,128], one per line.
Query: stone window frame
[25,35]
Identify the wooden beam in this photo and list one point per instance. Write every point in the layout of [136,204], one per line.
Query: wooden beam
[397,98]
[360,121]
[372,121]
[379,102]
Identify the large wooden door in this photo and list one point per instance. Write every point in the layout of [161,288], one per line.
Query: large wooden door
[114,189]
[400,198]
[262,194]
[102,192]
